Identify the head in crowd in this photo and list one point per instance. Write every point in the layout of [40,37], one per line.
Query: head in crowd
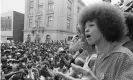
[75,38]
[125,2]
[60,50]
[106,18]
[3,60]
[129,23]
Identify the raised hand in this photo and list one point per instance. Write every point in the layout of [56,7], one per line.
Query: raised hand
[87,73]
[67,63]
[21,71]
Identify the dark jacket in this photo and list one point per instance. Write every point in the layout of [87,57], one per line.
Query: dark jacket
[129,45]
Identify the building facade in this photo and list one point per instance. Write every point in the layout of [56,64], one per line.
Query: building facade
[107,1]
[12,25]
[47,20]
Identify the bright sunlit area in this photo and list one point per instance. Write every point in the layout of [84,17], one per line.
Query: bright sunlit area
[19,5]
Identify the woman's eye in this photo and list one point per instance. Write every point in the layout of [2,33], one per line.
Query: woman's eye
[91,25]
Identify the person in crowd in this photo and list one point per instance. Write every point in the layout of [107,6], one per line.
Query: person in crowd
[12,71]
[127,5]
[57,57]
[103,25]
[128,39]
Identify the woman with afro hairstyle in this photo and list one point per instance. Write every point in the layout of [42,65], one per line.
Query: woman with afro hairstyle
[104,26]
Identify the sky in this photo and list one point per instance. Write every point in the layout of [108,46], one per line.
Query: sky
[9,5]
[87,2]
[19,5]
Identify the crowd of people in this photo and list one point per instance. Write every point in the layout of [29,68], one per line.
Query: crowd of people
[102,50]
[30,60]
[23,57]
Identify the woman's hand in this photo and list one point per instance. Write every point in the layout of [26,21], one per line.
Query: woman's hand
[64,76]
[87,73]
[21,71]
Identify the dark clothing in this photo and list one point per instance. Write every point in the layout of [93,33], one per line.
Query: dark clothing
[129,45]
[45,73]
[56,60]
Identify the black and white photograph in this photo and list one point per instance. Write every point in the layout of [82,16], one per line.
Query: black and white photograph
[66,40]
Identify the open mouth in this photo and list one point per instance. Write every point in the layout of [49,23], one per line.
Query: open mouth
[87,36]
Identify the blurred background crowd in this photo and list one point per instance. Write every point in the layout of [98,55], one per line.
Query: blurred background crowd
[24,61]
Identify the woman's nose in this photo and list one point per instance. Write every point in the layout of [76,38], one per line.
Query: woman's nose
[86,30]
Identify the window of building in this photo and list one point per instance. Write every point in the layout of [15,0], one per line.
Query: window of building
[69,8]
[31,7]
[40,6]
[40,2]
[31,3]
[107,1]
[69,12]
[40,21]
[31,11]
[50,20]
[30,22]
[69,3]
[6,23]
[50,5]
[9,22]
[68,24]
[50,1]
[40,9]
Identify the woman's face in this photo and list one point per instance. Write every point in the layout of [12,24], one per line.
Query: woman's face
[92,33]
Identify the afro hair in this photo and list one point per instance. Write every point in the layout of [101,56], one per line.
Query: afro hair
[129,22]
[109,18]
